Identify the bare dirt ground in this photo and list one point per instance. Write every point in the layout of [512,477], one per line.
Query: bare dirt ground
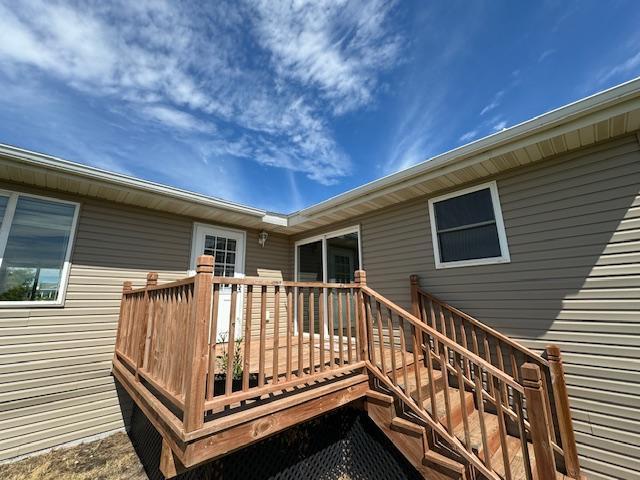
[111,458]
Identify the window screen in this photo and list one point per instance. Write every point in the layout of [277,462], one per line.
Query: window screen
[466,227]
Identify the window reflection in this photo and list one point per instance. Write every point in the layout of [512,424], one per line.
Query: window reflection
[35,252]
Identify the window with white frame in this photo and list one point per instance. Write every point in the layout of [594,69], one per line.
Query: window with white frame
[36,235]
[467,227]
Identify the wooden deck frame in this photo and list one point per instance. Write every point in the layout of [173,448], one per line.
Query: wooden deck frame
[168,360]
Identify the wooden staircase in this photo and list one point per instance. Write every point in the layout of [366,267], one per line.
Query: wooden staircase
[475,403]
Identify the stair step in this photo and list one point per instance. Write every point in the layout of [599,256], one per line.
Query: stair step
[442,461]
[425,389]
[475,432]
[456,408]
[407,427]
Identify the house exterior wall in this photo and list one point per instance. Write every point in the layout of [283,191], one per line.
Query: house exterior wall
[573,230]
[55,382]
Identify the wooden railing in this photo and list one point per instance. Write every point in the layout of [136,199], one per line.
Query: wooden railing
[177,339]
[193,363]
[509,357]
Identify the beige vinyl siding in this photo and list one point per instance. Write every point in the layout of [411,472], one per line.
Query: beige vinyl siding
[573,230]
[55,382]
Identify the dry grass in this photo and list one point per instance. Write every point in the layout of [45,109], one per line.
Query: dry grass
[112,458]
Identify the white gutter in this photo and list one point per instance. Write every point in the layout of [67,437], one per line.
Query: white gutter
[537,125]
[127,181]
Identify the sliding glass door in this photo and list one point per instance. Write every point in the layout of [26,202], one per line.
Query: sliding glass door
[333,257]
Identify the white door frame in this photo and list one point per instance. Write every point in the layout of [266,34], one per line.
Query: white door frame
[323,237]
[200,230]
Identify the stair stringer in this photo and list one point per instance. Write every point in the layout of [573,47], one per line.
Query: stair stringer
[411,440]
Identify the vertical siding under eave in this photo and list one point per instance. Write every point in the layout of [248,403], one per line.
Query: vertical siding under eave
[55,382]
[573,228]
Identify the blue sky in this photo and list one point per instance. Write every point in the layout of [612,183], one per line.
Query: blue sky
[282,104]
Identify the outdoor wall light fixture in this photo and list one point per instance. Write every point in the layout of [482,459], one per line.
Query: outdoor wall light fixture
[262,238]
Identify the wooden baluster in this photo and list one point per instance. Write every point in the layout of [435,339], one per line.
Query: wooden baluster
[153,297]
[505,396]
[152,281]
[416,365]
[369,323]
[403,352]
[463,406]
[231,340]
[502,428]
[514,364]
[263,335]
[300,331]
[276,333]
[349,302]
[213,339]
[415,298]
[443,324]
[487,356]
[331,329]
[381,337]
[463,335]
[447,400]
[563,411]
[433,325]
[538,421]
[246,366]
[123,320]
[432,384]
[196,354]
[452,326]
[486,458]
[322,326]
[312,356]
[522,433]
[474,340]
[289,330]
[340,330]
[392,346]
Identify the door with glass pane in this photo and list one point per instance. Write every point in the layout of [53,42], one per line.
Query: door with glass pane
[226,246]
[332,258]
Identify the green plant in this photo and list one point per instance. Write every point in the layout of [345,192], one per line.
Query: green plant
[223,360]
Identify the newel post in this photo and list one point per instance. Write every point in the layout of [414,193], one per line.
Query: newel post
[540,424]
[361,281]
[563,411]
[126,289]
[143,327]
[415,299]
[197,347]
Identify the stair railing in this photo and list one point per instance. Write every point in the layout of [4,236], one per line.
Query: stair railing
[510,357]
[399,342]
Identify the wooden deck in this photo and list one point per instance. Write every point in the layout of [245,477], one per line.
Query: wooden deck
[459,382]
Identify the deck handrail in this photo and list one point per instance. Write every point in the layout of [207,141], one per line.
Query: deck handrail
[555,396]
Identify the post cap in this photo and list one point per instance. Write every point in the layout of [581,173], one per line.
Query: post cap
[415,280]
[360,277]
[531,375]
[553,353]
[152,279]
[204,264]
[127,286]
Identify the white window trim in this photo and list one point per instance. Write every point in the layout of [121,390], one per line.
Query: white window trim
[66,266]
[497,211]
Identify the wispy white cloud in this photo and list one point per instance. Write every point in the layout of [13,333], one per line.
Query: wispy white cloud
[545,54]
[468,136]
[631,64]
[499,126]
[183,66]
[495,102]
[335,46]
